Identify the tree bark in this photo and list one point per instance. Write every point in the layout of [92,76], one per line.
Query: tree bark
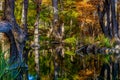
[110,9]
[111,29]
[36,38]
[114,19]
[16,36]
[24,28]
[57,37]
[101,19]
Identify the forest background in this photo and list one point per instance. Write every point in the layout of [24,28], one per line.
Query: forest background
[63,36]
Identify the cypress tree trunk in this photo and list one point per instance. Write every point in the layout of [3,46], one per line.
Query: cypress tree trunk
[110,9]
[17,38]
[58,32]
[55,33]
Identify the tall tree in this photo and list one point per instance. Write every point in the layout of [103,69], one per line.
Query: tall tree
[109,25]
[55,34]
[16,36]
[110,29]
[36,38]
[25,31]
[58,33]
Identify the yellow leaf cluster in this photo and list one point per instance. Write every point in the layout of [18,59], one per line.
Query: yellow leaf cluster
[86,9]
[46,1]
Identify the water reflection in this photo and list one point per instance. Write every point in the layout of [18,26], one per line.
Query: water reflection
[31,77]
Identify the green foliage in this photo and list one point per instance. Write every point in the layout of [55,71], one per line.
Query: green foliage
[1,13]
[18,10]
[88,40]
[71,53]
[75,77]
[71,40]
[70,13]
[63,79]
[44,38]
[31,64]
[69,3]
[31,13]
[66,15]
[104,41]
[2,64]
[46,13]
[100,41]
[107,58]
[5,72]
